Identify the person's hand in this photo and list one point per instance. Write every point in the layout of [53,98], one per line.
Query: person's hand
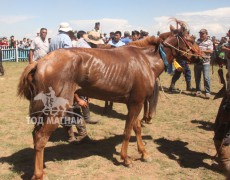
[82,103]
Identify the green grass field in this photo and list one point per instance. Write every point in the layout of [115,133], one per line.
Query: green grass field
[179,140]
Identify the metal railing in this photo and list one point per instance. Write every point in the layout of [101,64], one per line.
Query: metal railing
[14,54]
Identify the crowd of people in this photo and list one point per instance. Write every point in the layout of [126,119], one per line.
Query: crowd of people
[22,44]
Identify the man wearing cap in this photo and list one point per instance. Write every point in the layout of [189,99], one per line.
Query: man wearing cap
[39,46]
[206,46]
[222,122]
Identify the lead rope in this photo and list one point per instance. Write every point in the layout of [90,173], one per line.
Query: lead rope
[163,88]
[185,52]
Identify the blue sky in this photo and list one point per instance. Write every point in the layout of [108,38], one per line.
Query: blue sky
[24,18]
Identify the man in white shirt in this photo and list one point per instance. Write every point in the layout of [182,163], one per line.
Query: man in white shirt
[116,41]
[39,46]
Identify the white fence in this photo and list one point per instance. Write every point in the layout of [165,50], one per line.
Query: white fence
[14,54]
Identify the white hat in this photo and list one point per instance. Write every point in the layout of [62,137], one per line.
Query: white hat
[64,26]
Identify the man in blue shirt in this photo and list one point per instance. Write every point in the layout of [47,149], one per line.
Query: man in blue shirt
[126,39]
[116,41]
[62,40]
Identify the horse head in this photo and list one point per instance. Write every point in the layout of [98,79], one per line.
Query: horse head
[182,44]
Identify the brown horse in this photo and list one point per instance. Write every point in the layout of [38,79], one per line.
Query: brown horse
[126,74]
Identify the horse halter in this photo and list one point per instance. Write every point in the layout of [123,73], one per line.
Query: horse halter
[184,52]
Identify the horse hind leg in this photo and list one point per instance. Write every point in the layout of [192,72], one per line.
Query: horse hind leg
[153,100]
[41,136]
[146,112]
[134,111]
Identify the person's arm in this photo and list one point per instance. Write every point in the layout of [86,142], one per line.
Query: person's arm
[225,49]
[80,101]
[31,54]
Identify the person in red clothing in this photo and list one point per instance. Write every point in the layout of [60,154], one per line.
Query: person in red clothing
[4,42]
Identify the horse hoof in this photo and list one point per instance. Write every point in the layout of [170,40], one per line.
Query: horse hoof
[148,159]
[130,165]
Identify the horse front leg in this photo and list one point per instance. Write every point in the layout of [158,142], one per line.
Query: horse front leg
[140,144]
[41,136]
[133,112]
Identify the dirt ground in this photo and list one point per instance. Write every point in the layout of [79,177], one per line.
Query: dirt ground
[179,139]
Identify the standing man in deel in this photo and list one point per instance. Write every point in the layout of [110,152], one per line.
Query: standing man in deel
[39,46]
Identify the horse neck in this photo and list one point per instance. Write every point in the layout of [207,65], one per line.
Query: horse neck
[169,54]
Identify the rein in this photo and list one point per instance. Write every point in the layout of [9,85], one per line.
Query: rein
[182,51]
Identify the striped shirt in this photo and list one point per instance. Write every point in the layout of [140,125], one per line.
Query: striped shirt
[206,45]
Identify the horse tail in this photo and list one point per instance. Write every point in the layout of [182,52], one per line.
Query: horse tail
[154,99]
[26,86]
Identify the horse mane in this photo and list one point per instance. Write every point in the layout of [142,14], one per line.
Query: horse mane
[165,35]
[148,41]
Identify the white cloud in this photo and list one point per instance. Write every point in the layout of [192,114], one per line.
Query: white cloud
[13,19]
[216,21]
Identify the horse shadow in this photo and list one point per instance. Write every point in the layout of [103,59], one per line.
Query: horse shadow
[112,113]
[23,161]
[205,125]
[186,158]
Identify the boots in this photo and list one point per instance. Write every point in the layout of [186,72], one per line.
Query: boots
[86,115]
[188,86]
[70,132]
[172,88]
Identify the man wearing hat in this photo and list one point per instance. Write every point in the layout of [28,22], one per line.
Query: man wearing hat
[62,40]
[206,46]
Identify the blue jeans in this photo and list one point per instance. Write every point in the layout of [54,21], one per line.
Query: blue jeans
[187,73]
[205,68]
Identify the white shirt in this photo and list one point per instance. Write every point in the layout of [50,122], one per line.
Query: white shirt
[40,47]
[82,43]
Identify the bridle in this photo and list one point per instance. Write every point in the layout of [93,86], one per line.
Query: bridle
[184,52]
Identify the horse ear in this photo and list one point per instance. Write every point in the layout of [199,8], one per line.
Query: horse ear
[172,28]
